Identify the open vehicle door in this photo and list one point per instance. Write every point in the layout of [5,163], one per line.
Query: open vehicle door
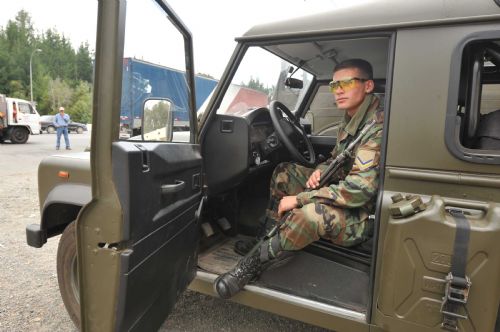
[138,236]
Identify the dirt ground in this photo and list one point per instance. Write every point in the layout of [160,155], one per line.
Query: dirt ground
[29,295]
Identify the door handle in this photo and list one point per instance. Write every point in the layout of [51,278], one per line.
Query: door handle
[468,208]
[172,188]
[460,203]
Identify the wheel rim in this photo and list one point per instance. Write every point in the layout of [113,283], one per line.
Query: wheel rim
[50,130]
[75,282]
[19,135]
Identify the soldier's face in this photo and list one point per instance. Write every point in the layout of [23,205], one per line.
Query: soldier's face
[351,95]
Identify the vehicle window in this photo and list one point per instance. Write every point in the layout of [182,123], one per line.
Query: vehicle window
[323,114]
[259,80]
[477,120]
[153,70]
[25,108]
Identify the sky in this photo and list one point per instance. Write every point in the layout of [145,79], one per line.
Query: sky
[213,24]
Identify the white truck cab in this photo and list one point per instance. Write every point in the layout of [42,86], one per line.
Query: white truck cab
[20,119]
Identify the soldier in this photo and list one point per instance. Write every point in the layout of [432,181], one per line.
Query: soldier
[338,212]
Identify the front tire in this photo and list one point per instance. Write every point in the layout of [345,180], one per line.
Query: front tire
[19,135]
[67,273]
[79,130]
[51,129]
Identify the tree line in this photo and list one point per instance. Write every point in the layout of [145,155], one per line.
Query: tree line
[62,75]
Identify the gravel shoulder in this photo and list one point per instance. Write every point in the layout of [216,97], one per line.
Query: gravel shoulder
[29,294]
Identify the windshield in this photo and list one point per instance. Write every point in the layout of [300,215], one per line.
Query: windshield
[258,81]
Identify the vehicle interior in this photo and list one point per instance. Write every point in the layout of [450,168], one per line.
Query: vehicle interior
[241,148]
[479,103]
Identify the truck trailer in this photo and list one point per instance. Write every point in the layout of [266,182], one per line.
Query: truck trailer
[143,80]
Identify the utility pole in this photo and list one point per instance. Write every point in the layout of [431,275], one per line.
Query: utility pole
[31,73]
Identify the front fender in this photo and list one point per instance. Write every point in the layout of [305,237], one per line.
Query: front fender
[62,205]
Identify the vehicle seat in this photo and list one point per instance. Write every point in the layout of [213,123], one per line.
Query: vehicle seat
[358,256]
[488,133]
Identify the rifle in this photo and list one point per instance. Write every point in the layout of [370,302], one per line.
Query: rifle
[325,177]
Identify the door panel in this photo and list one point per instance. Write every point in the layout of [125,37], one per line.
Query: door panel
[160,226]
[30,117]
[323,144]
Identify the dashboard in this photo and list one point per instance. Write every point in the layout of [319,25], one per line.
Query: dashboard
[236,146]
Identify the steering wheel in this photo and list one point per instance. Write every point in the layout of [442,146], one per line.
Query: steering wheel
[290,132]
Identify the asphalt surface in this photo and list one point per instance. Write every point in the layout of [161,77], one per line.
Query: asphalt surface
[29,294]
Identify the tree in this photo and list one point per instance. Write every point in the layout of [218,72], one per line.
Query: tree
[16,89]
[58,56]
[58,70]
[41,84]
[60,94]
[80,109]
[18,40]
[205,75]
[84,68]
[256,84]
[4,61]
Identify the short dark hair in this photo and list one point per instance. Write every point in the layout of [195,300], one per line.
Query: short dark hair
[362,65]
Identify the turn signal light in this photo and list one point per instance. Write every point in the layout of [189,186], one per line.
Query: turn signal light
[63,174]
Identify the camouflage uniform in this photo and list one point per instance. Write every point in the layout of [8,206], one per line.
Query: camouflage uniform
[340,211]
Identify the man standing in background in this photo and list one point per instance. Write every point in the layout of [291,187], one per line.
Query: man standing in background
[61,122]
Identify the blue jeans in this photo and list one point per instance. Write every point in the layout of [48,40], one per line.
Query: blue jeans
[62,130]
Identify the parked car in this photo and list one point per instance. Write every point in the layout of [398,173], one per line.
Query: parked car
[47,124]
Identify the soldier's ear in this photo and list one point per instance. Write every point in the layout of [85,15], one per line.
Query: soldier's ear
[369,86]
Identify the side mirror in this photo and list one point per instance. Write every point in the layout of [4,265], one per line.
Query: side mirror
[294,83]
[157,120]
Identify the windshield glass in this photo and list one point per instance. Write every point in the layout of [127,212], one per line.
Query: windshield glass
[259,80]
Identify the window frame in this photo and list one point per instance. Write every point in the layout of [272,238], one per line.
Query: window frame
[453,122]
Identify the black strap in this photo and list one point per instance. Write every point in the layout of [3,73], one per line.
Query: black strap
[457,283]
[459,260]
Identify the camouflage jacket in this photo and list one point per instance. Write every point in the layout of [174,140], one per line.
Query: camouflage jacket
[356,184]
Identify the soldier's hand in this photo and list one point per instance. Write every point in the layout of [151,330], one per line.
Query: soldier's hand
[287,203]
[313,181]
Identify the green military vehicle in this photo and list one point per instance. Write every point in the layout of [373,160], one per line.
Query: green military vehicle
[144,218]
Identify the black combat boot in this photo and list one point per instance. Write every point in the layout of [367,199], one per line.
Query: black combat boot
[249,268]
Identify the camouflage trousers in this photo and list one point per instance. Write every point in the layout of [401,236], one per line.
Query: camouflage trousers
[302,226]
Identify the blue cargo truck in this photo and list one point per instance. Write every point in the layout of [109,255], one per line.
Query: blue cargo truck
[145,80]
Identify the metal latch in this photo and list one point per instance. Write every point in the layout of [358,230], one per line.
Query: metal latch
[455,297]
[405,206]
[146,163]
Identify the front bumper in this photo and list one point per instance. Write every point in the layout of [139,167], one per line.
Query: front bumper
[35,236]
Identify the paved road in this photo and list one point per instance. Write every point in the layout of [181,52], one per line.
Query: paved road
[29,295]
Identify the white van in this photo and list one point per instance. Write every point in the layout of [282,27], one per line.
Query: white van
[20,119]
